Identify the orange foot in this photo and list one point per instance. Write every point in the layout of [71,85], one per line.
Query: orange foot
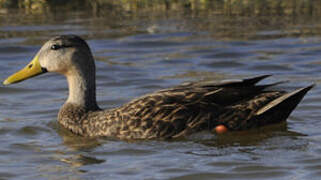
[220,129]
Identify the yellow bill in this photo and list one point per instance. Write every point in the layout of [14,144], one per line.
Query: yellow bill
[31,70]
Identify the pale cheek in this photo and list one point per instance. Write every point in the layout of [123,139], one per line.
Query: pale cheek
[53,65]
[44,64]
[58,67]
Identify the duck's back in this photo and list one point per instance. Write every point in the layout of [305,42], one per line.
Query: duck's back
[193,107]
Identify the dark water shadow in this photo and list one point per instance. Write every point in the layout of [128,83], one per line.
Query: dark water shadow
[252,137]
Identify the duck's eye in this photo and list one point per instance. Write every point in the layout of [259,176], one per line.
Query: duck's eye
[55,47]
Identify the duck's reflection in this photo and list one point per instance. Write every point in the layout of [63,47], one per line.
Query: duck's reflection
[78,152]
[251,137]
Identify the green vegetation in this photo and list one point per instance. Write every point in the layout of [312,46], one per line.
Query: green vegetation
[226,7]
[223,19]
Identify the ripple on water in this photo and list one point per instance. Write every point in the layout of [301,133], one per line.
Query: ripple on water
[224,64]
[31,130]
[243,175]
[270,67]
[227,55]
[13,49]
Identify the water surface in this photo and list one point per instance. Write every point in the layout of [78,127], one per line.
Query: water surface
[140,54]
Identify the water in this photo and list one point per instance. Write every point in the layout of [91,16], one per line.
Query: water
[138,55]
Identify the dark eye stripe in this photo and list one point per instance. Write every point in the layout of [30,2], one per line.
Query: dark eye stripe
[56,46]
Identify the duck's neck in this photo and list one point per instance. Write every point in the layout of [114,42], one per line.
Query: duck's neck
[82,90]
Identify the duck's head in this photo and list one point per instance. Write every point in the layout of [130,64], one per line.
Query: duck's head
[64,54]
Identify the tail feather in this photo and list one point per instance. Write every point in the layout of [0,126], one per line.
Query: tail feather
[242,83]
[254,80]
[280,108]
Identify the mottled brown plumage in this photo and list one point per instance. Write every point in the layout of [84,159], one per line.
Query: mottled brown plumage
[182,110]
[168,113]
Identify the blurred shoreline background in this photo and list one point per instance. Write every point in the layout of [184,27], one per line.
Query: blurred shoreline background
[224,7]
[221,18]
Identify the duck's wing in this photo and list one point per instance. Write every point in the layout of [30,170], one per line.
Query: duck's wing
[193,107]
[223,94]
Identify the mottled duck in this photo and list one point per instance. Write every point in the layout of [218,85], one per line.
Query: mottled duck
[169,113]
